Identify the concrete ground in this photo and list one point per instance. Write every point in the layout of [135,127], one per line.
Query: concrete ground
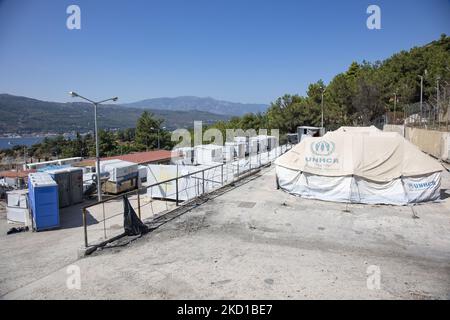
[251,242]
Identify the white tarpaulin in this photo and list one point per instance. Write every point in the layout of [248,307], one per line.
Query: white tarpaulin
[362,165]
[191,182]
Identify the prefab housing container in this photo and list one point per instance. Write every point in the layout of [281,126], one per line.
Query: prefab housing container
[240,149]
[123,176]
[88,181]
[14,182]
[43,201]
[243,141]
[257,144]
[70,185]
[208,154]
[142,175]
[292,138]
[229,151]
[272,142]
[185,156]
[119,170]
[305,132]
[17,206]
[263,143]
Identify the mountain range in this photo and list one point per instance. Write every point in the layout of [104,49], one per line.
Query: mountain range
[190,103]
[25,115]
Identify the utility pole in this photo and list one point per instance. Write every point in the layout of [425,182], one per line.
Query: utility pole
[448,104]
[158,130]
[321,123]
[437,102]
[421,99]
[159,145]
[395,106]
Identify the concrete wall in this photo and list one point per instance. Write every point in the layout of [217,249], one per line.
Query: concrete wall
[400,129]
[435,143]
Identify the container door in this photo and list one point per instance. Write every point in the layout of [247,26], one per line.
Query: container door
[63,181]
[76,182]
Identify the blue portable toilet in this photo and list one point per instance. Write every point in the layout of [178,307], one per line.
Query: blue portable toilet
[43,196]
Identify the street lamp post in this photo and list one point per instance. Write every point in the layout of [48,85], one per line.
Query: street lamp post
[159,146]
[421,99]
[448,104]
[97,149]
[321,123]
[437,102]
[395,106]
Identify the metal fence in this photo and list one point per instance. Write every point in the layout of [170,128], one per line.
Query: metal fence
[103,221]
[428,115]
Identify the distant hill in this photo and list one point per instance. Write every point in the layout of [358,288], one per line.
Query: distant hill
[25,115]
[188,103]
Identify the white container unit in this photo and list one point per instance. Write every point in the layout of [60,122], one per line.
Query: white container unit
[253,145]
[185,156]
[240,149]
[263,141]
[305,132]
[209,154]
[17,207]
[228,151]
[272,142]
[119,170]
[142,175]
[88,181]
[243,141]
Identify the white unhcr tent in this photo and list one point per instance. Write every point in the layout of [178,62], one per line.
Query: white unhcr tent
[360,165]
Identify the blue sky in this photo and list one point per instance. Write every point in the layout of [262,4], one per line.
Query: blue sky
[237,50]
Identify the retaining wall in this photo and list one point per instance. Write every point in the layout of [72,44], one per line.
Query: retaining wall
[435,143]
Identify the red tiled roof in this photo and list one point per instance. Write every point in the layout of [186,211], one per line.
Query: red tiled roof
[137,157]
[16,174]
[143,157]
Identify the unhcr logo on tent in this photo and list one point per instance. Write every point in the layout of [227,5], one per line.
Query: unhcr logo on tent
[322,148]
[321,154]
[421,185]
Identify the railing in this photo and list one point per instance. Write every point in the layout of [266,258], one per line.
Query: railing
[104,220]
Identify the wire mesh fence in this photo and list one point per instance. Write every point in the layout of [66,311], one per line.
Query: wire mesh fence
[425,115]
[104,220]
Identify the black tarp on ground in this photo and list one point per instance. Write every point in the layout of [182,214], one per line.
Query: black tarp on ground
[132,224]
